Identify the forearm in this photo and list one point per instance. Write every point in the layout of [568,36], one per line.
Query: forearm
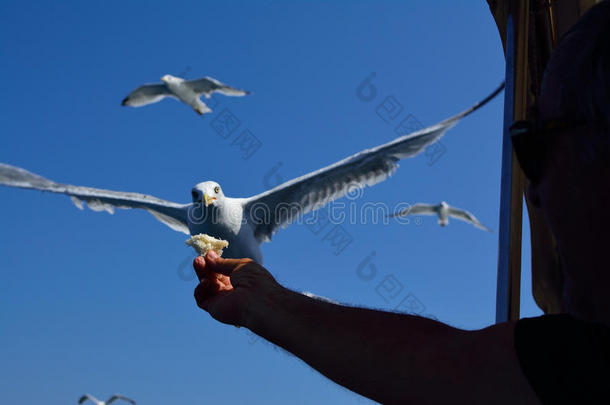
[385,356]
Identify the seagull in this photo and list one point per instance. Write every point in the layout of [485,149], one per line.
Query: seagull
[248,222]
[109,401]
[444,211]
[187,91]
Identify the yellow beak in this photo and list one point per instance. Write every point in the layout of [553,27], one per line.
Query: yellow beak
[208,200]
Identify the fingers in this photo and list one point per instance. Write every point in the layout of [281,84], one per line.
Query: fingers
[199,266]
[224,266]
[203,292]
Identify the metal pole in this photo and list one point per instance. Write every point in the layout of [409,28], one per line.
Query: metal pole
[512,182]
[502,291]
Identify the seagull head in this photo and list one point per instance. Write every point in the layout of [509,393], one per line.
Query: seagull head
[168,78]
[208,193]
[443,204]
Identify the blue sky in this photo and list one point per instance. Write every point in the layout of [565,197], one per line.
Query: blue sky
[97,303]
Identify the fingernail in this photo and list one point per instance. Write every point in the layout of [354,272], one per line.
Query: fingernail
[212,254]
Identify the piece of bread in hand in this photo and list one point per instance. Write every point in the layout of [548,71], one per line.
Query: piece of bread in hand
[202,243]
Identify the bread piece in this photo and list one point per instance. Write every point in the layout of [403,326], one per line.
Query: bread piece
[202,243]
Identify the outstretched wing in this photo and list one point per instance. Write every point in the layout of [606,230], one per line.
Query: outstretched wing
[124,398]
[283,204]
[171,214]
[208,85]
[147,94]
[90,398]
[417,209]
[467,217]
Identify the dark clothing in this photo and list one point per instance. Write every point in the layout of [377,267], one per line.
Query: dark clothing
[566,360]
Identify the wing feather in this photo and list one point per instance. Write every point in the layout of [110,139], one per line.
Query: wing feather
[283,204]
[147,94]
[90,398]
[209,85]
[117,396]
[466,216]
[286,202]
[171,214]
[417,209]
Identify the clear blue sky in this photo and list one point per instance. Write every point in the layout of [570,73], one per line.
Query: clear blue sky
[96,303]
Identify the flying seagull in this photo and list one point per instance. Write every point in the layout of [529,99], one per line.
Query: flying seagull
[248,222]
[110,400]
[443,211]
[187,91]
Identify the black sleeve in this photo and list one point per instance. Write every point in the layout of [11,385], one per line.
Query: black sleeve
[566,360]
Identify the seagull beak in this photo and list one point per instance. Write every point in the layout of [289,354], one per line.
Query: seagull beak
[208,200]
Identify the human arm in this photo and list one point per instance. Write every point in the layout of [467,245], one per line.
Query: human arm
[385,356]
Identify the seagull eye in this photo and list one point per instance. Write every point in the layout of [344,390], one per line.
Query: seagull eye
[217,189]
[195,196]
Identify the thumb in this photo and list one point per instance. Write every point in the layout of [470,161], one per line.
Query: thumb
[217,264]
[199,265]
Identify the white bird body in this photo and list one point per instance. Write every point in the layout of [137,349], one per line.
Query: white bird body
[444,211]
[223,219]
[187,91]
[185,94]
[248,222]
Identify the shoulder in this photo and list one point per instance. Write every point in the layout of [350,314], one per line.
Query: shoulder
[565,359]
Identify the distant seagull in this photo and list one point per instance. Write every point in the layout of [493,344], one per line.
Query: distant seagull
[109,401]
[187,91]
[248,222]
[444,211]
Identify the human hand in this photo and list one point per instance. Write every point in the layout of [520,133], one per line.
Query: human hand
[228,287]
